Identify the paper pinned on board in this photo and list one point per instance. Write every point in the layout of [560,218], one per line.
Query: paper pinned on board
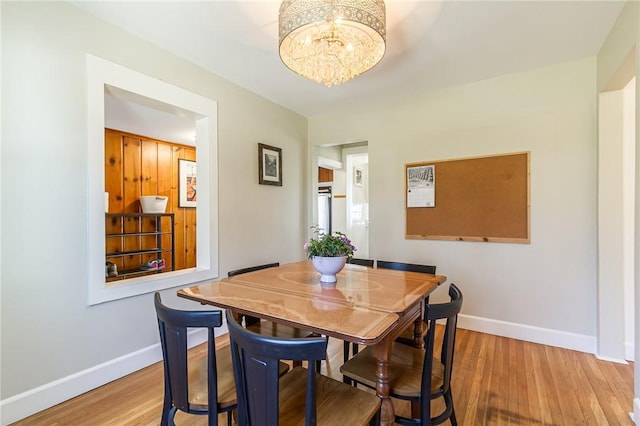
[421,186]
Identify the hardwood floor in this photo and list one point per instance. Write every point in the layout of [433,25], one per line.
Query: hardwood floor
[497,381]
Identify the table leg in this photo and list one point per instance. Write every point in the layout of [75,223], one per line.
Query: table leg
[417,334]
[417,326]
[383,354]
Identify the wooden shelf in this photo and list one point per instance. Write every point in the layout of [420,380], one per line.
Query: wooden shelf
[152,238]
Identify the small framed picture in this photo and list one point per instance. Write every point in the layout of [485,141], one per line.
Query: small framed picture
[269,165]
[187,188]
[357,177]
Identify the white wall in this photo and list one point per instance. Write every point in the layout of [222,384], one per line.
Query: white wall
[544,291]
[629,179]
[618,61]
[51,340]
[611,226]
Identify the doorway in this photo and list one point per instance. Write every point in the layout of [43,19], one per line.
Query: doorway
[340,200]
[357,169]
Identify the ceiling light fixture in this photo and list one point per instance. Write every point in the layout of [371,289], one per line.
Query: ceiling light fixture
[332,41]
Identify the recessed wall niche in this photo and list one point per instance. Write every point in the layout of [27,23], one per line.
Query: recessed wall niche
[104,77]
[138,243]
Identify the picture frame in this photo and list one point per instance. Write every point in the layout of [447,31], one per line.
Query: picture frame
[269,165]
[357,176]
[187,189]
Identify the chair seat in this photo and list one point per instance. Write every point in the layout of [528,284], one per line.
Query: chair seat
[226,384]
[405,370]
[336,403]
[406,338]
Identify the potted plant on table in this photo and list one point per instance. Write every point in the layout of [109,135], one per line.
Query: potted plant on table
[328,253]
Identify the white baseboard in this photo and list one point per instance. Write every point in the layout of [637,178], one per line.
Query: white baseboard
[35,400]
[629,351]
[544,336]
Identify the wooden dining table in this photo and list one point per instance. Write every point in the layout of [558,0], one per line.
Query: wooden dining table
[366,306]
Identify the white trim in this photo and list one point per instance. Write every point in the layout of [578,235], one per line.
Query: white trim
[629,351]
[610,359]
[328,163]
[203,111]
[635,416]
[35,400]
[544,336]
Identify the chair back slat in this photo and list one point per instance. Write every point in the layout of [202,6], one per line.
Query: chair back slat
[256,359]
[361,262]
[252,269]
[409,267]
[175,362]
[433,312]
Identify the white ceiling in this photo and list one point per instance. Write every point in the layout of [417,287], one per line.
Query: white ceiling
[430,44]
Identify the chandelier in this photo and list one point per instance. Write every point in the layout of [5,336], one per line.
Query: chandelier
[331,41]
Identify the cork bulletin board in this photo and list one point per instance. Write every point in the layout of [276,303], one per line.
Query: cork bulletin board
[470,199]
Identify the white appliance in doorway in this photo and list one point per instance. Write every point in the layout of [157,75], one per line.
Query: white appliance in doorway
[325,208]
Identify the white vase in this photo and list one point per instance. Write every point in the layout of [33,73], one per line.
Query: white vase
[328,267]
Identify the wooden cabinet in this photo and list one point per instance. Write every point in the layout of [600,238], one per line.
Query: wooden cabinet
[133,239]
[325,175]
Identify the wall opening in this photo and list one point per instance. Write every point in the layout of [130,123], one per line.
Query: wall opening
[140,89]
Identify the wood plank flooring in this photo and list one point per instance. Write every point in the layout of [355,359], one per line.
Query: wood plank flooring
[497,381]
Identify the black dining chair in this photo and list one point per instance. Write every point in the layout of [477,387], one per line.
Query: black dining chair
[409,267]
[204,386]
[408,363]
[252,269]
[301,396]
[406,336]
[362,262]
